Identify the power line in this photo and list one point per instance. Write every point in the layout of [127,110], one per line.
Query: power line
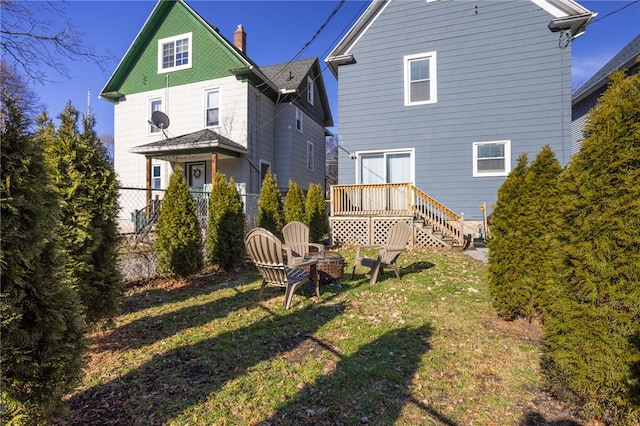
[616,11]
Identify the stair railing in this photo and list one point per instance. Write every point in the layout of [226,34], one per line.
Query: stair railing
[442,219]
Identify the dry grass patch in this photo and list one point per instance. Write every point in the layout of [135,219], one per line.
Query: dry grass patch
[425,349]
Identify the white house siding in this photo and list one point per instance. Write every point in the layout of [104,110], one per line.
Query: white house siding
[184,105]
[500,76]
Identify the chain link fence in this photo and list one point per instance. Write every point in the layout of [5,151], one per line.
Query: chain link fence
[136,226]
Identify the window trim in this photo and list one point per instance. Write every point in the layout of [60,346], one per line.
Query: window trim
[157,167]
[410,151]
[300,121]
[433,78]
[204,107]
[150,111]
[310,90]
[507,159]
[163,41]
[310,156]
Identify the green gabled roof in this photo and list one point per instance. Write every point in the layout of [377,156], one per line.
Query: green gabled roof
[212,55]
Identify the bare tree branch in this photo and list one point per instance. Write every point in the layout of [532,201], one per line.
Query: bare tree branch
[33,44]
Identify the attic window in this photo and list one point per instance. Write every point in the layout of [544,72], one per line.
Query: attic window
[310,90]
[174,53]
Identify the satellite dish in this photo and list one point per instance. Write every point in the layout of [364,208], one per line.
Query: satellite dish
[160,120]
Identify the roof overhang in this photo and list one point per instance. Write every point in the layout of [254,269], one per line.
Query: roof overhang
[567,15]
[200,142]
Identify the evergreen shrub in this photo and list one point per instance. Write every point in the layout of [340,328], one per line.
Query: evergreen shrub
[225,232]
[270,210]
[316,213]
[88,189]
[178,244]
[294,204]
[42,317]
[506,245]
[592,330]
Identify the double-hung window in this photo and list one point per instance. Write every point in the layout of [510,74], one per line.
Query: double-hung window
[155,104]
[299,120]
[174,53]
[156,177]
[420,83]
[310,156]
[491,158]
[212,107]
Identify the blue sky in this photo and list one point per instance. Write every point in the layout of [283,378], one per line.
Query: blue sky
[276,33]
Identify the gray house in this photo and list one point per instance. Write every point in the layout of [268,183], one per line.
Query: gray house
[445,95]
[587,95]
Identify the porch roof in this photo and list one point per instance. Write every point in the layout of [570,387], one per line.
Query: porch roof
[200,142]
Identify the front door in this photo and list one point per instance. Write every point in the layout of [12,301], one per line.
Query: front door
[196,177]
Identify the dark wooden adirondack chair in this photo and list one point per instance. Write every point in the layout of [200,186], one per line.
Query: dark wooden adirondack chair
[296,240]
[397,239]
[267,253]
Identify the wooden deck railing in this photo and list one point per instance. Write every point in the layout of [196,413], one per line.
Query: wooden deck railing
[395,199]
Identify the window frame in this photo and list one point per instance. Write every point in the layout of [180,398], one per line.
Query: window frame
[156,181]
[310,156]
[493,173]
[206,109]
[412,160]
[433,78]
[299,120]
[310,90]
[152,130]
[173,39]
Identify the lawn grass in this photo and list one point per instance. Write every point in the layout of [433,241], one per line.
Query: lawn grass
[421,350]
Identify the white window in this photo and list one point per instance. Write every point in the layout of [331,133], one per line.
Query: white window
[420,85]
[299,120]
[174,53]
[310,156]
[212,108]
[491,158]
[156,177]
[310,90]
[155,104]
[385,167]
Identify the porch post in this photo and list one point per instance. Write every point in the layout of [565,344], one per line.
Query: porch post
[148,186]
[214,167]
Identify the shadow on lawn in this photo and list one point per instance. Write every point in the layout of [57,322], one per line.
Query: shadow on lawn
[369,387]
[150,329]
[169,383]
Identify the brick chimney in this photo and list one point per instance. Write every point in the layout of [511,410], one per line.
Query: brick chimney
[240,39]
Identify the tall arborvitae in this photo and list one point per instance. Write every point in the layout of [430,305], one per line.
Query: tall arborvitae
[539,223]
[225,232]
[42,317]
[178,244]
[294,204]
[270,210]
[316,213]
[507,245]
[592,331]
[88,187]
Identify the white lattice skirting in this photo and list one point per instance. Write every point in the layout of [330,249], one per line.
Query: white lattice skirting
[373,231]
